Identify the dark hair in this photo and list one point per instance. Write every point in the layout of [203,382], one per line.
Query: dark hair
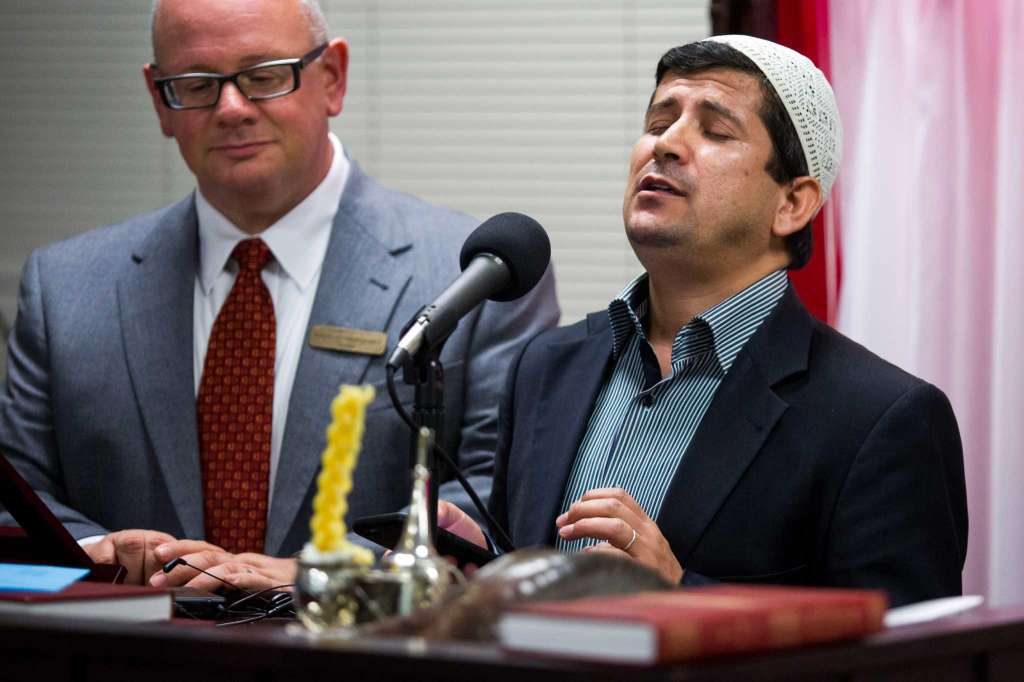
[787,160]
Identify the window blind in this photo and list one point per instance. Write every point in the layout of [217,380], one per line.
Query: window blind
[479,105]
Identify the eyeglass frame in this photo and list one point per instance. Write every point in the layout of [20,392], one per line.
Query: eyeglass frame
[297,64]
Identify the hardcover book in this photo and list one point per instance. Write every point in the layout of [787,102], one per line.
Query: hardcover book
[660,627]
[134,603]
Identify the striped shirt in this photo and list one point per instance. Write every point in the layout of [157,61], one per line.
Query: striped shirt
[642,423]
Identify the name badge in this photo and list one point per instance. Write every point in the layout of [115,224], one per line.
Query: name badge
[343,340]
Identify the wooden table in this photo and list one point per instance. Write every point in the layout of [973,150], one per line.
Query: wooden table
[984,645]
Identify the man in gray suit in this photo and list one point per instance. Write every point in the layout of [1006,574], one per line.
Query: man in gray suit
[119,330]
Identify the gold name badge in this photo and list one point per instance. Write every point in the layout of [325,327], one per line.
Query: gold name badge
[360,341]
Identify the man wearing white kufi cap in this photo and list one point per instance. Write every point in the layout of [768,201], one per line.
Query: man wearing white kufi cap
[705,424]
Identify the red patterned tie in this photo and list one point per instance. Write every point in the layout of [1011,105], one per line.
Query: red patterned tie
[235,408]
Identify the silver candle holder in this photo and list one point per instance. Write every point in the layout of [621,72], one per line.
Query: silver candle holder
[336,594]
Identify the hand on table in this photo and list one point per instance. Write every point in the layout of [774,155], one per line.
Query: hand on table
[247,571]
[612,515]
[134,549]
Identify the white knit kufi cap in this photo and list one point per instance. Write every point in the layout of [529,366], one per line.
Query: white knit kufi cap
[808,98]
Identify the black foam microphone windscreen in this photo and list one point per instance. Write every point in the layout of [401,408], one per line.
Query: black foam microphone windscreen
[520,242]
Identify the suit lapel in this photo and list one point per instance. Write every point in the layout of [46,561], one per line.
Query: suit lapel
[572,380]
[738,421]
[360,285]
[155,299]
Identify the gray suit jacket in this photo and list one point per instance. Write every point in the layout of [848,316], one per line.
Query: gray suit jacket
[99,410]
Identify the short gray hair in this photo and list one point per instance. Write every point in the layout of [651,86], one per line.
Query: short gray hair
[315,17]
[310,9]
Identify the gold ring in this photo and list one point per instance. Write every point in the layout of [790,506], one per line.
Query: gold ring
[632,540]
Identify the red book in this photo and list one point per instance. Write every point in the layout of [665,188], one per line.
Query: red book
[659,627]
[92,600]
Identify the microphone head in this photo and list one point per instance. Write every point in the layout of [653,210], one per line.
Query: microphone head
[520,242]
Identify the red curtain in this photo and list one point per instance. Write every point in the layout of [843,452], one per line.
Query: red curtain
[803,26]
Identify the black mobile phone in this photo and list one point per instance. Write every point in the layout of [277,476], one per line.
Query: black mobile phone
[195,603]
[385,529]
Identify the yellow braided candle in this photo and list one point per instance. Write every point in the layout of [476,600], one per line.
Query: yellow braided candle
[344,439]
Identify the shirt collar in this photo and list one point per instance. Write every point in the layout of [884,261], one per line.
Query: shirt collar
[627,312]
[726,326]
[298,239]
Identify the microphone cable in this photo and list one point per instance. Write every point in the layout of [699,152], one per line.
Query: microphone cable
[280,605]
[273,605]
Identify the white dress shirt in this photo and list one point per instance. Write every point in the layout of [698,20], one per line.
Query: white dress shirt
[299,242]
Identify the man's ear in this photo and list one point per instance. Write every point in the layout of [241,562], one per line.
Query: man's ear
[800,201]
[162,112]
[334,71]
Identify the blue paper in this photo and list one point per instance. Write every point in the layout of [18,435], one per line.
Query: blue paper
[37,578]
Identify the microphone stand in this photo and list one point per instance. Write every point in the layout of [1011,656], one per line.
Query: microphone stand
[425,371]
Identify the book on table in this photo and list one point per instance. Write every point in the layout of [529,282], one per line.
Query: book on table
[134,603]
[647,628]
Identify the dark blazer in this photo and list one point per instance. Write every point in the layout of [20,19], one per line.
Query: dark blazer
[817,462]
[99,409]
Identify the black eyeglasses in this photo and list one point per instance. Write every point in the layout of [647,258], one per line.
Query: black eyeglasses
[262,81]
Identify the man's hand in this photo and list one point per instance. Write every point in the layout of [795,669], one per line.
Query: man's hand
[612,515]
[134,549]
[248,571]
[458,522]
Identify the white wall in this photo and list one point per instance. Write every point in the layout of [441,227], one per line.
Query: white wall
[480,105]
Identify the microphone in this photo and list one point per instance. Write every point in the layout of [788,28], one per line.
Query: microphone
[501,260]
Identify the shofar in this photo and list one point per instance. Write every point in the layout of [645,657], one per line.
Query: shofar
[522,576]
